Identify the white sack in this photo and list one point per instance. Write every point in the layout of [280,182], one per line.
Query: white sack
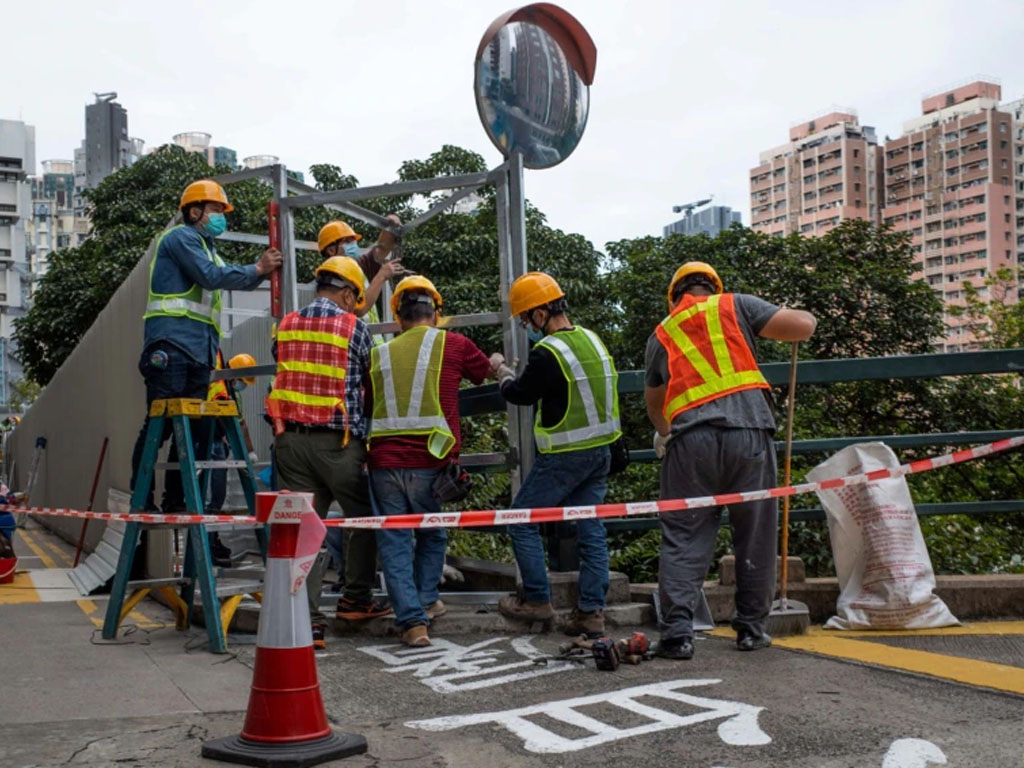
[886,579]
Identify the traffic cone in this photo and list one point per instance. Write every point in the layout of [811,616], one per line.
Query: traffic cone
[286,724]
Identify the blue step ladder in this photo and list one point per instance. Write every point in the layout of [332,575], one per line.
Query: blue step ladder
[198,564]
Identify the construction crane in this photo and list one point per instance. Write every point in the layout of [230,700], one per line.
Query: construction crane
[688,207]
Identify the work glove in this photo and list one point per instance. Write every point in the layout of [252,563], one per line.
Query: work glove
[253,458]
[503,374]
[661,444]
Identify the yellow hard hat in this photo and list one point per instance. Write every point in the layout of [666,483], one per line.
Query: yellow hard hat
[203,191]
[414,283]
[694,268]
[347,269]
[243,360]
[332,232]
[532,290]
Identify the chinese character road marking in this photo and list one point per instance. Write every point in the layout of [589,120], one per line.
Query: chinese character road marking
[447,667]
[913,753]
[739,728]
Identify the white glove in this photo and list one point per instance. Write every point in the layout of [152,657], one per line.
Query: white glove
[660,444]
[504,374]
[253,458]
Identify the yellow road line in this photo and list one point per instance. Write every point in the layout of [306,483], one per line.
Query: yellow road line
[976,628]
[21,590]
[40,553]
[986,674]
[88,606]
[63,556]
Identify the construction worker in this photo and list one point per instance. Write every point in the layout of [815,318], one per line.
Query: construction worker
[414,440]
[714,427]
[337,238]
[226,389]
[182,318]
[571,374]
[316,405]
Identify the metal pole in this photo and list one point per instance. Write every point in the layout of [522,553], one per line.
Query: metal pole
[286,233]
[518,267]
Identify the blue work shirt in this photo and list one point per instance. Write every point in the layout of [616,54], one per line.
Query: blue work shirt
[180,263]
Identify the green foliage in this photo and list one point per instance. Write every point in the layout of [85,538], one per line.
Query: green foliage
[996,316]
[23,393]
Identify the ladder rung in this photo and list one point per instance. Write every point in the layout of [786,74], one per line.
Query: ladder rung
[212,464]
[169,582]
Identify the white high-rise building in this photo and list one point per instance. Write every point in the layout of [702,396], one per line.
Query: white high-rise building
[17,163]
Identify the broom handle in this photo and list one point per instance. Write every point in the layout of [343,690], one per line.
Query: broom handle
[784,576]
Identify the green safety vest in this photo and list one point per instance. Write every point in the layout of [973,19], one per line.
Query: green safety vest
[406,378]
[592,415]
[195,303]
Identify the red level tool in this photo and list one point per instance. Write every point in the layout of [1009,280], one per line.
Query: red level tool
[273,217]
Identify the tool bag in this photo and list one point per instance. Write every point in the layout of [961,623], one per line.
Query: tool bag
[620,456]
[452,483]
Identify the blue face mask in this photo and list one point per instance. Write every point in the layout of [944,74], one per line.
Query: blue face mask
[533,334]
[351,249]
[216,225]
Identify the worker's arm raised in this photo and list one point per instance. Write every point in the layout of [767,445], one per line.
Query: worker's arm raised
[187,252]
[789,325]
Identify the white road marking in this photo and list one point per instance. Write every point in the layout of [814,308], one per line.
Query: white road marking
[447,667]
[913,753]
[54,586]
[739,728]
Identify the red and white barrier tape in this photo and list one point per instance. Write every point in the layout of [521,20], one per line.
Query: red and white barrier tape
[488,517]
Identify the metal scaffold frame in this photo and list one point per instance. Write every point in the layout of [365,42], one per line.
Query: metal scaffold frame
[507,180]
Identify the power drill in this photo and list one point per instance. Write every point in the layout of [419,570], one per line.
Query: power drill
[633,649]
[606,654]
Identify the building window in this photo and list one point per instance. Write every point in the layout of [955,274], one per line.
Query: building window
[1002,127]
[856,152]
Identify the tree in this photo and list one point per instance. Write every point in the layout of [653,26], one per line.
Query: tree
[993,312]
[24,392]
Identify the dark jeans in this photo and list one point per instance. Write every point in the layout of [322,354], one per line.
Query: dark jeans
[168,373]
[412,560]
[705,461]
[317,462]
[572,479]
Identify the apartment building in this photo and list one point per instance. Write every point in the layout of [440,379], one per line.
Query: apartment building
[830,170]
[949,183]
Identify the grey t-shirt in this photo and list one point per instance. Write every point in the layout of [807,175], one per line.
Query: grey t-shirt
[747,408]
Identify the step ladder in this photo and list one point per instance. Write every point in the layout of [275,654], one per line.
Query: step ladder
[198,565]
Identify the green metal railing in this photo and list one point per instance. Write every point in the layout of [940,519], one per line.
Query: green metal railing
[486,399]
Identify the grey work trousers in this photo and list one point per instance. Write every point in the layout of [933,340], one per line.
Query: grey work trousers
[317,462]
[705,461]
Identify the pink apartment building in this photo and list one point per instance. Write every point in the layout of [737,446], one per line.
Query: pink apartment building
[950,183]
[830,170]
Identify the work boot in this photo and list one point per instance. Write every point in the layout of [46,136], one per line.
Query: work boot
[589,623]
[416,637]
[436,609]
[352,610]
[515,607]
[319,640]
[220,553]
[677,649]
[749,641]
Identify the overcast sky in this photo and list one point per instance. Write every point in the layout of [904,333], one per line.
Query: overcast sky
[685,95]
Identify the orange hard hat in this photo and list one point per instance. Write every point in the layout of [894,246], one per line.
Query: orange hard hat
[414,283]
[243,360]
[332,232]
[694,268]
[205,191]
[532,290]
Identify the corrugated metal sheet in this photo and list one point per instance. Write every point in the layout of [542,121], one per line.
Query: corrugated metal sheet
[98,392]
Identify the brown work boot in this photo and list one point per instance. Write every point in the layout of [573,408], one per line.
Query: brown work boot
[436,609]
[589,623]
[416,637]
[515,607]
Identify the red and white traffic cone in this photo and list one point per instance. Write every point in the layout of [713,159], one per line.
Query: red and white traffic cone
[286,724]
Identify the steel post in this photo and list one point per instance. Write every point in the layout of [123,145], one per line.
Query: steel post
[518,266]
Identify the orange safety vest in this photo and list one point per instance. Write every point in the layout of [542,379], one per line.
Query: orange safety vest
[708,355]
[312,362]
[218,389]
